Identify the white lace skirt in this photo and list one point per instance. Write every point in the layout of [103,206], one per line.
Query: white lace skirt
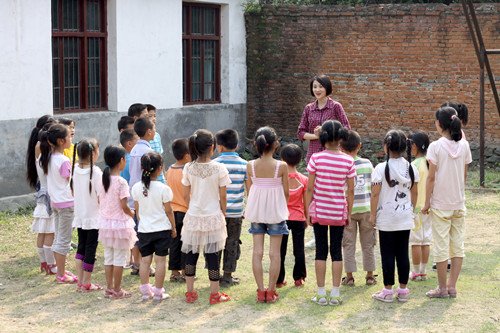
[204,233]
[43,223]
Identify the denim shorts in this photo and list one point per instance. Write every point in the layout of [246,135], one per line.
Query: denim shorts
[275,229]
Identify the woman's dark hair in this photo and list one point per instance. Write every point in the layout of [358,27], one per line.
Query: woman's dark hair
[65,121]
[31,174]
[150,163]
[112,157]
[449,121]
[325,83]
[396,142]
[264,139]
[48,139]
[291,154]
[462,111]
[200,143]
[85,148]
[332,130]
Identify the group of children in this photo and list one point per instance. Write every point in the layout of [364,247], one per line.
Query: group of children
[141,213]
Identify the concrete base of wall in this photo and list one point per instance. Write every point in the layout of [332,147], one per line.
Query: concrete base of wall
[13,204]
[170,123]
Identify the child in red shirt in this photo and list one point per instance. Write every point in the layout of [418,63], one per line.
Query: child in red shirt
[292,155]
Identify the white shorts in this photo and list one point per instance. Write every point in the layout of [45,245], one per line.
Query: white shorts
[116,257]
[422,233]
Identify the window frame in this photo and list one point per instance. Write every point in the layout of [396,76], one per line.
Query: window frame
[83,35]
[189,38]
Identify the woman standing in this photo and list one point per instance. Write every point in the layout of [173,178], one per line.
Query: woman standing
[317,112]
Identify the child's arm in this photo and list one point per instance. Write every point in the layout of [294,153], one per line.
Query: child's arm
[126,208]
[284,180]
[187,194]
[136,208]
[170,215]
[309,195]
[374,203]
[350,197]
[306,207]
[223,199]
[465,173]
[248,181]
[429,187]
[414,194]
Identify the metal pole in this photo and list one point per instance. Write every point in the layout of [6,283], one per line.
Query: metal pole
[481,120]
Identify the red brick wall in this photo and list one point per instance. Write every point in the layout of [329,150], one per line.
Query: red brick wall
[391,65]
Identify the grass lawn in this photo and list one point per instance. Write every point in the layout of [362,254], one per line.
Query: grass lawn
[33,302]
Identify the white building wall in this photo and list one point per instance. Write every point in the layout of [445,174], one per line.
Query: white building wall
[25,59]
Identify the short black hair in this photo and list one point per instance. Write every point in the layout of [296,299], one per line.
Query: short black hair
[180,147]
[227,138]
[150,107]
[135,109]
[65,121]
[325,83]
[291,154]
[124,122]
[352,142]
[142,125]
[126,136]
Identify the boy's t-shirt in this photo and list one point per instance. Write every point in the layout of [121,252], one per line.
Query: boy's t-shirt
[158,147]
[237,168]
[363,186]
[126,172]
[141,147]
[174,180]
[151,210]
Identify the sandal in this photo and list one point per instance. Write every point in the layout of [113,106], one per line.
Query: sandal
[261,296]
[177,278]
[121,294]
[66,279]
[320,299]
[43,267]
[89,287]
[281,284]
[452,292]
[335,300]
[108,293]
[385,295]
[437,293]
[348,281]
[218,297]
[51,269]
[370,280]
[299,283]
[272,296]
[229,281]
[191,296]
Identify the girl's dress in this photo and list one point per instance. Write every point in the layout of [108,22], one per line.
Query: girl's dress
[266,201]
[116,229]
[43,221]
[204,224]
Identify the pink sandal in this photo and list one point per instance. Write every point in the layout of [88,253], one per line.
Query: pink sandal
[108,293]
[66,279]
[89,287]
[121,294]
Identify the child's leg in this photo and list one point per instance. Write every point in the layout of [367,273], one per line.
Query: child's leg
[108,266]
[232,250]
[80,253]
[175,262]
[349,246]
[119,261]
[41,253]
[367,239]
[336,235]
[298,230]
[457,234]
[257,255]
[162,242]
[402,260]
[274,257]
[49,254]
[321,236]
[416,254]
[388,257]
[441,226]
[144,268]
[426,249]
[63,220]
[89,260]
[283,247]
[190,270]
[213,265]
[161,262]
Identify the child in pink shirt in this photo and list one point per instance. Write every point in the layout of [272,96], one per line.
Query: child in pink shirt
[297,182]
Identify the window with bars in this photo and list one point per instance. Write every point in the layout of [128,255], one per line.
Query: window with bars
[79,70]
[200,53]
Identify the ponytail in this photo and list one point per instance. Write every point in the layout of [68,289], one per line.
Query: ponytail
[106,178]
[410,168]
[265,139]
[112,158]
[91,166]
[192,147]
[75,146]
[332,130]
[395,141]
[456,128]
[150,163]
[200,143]
[31,174]
[45,151]
[261,144]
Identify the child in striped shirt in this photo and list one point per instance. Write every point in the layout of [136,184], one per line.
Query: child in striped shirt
[227,142]
[330,205]
[360,216]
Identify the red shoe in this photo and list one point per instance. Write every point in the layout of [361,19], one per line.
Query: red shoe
[43,267]
[219,297]
[261,296]
[299,283]
[281,285]
[51,269]
[272,296]
[191,296]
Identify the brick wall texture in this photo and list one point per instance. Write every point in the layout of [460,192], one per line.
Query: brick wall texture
[391,65]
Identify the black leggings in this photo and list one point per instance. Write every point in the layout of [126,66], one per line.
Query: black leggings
[297,229]
[394,247]
[321,235]
[176,260]
[212,260]
[87,246]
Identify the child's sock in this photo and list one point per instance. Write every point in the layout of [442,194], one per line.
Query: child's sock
[423,268]
[335,292]
[416,268]
[41,254]
[49,255]
[322,291]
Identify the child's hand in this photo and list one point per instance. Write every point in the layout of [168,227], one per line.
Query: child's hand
[348,221]
[174,233]
[308,221]
[373,220]
[425,209]
[317,130]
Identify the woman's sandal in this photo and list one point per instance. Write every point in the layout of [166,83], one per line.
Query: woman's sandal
[261,296]
[66,279]
[272,296]
[218,297]
[89,287]
[370,280]
[108,293]
[191,296]
[121,294]
[348,281]
[452,292]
